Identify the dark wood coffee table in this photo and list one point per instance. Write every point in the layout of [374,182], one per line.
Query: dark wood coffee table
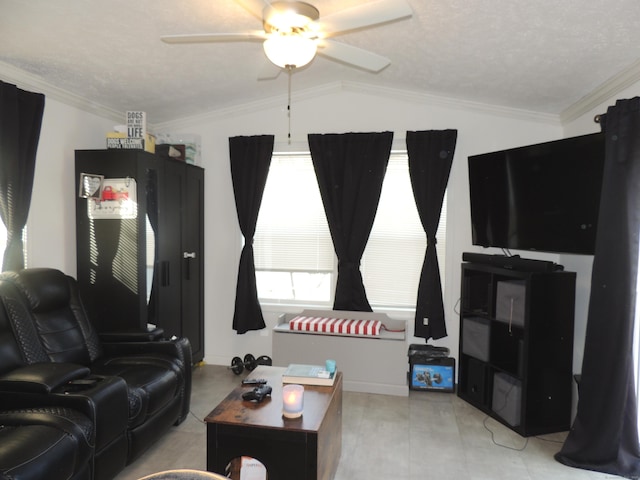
[305,448]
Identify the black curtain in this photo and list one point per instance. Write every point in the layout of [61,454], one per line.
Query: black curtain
[20,122]
[250,160]
[430,159]
[604,435]
[350,169]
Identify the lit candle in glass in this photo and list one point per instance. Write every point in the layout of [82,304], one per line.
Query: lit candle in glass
[292,400]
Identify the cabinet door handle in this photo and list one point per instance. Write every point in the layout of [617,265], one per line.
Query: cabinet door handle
[164,274]
[188,256]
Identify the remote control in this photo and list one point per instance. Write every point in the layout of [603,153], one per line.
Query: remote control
[254,381]
[257,393]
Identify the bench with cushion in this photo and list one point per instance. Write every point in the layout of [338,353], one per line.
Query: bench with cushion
[370,348]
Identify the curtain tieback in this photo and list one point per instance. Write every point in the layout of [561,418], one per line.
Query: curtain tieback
[347,264]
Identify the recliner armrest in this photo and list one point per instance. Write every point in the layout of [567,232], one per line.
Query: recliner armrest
[41,377]
[163,347]
[132,336]
[103,399]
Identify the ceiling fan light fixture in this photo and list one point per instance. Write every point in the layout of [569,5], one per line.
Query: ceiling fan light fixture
[290,50]
[288,16]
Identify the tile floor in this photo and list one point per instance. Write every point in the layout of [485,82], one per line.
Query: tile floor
[424,436]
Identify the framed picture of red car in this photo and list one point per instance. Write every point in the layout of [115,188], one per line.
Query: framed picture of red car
[117,200]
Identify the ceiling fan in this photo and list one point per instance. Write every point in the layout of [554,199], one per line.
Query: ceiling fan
[293,32]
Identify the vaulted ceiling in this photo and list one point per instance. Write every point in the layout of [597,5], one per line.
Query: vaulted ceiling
[543,56]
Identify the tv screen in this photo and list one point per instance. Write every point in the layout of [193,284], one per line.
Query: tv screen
[542,197]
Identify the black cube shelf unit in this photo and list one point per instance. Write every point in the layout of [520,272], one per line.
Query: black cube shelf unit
[516,345]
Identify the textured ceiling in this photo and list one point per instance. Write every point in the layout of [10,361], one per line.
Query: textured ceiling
[542,55]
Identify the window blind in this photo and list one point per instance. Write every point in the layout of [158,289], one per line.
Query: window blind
[292,232]
[393,258]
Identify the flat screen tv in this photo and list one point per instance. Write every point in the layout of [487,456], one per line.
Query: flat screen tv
[542,197]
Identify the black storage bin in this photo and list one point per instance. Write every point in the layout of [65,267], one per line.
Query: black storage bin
[431,368]
[511,302]
[476,336]
[475,381]
[507,398]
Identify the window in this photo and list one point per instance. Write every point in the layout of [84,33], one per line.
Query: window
[3,242]
[3,239]
[294,255]
[393,258]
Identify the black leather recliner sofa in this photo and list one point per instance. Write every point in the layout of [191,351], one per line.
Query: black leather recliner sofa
[47,442]
[131,391]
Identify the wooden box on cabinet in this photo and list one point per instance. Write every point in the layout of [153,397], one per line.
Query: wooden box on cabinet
[535,352]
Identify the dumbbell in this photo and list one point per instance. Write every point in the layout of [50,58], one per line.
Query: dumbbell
[249,362]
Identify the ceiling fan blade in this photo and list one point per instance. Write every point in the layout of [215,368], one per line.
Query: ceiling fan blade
[362,16]
[254,6]
[353,55]
[215,37]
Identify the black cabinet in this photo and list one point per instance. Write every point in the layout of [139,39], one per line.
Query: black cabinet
[140,244]
[180,277]
[516,346]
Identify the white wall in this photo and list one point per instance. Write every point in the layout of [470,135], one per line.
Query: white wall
[51,223]
[480,129]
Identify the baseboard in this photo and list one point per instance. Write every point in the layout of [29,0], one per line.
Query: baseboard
[377,388]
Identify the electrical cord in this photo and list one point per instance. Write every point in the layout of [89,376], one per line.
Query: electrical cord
[493,439]
[456,307]
[526,443]
[517,449]
[196,417]
[498,410]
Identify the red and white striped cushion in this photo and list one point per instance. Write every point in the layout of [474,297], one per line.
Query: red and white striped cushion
[335,325]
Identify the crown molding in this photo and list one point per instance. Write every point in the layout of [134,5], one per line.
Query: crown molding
[450,102]
[28,81]
[602,94]
[250,107]
[362,88]
[25,80]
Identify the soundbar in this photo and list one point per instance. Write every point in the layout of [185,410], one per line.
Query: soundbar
[514,262]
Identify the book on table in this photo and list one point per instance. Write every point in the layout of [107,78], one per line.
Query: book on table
[308,375]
